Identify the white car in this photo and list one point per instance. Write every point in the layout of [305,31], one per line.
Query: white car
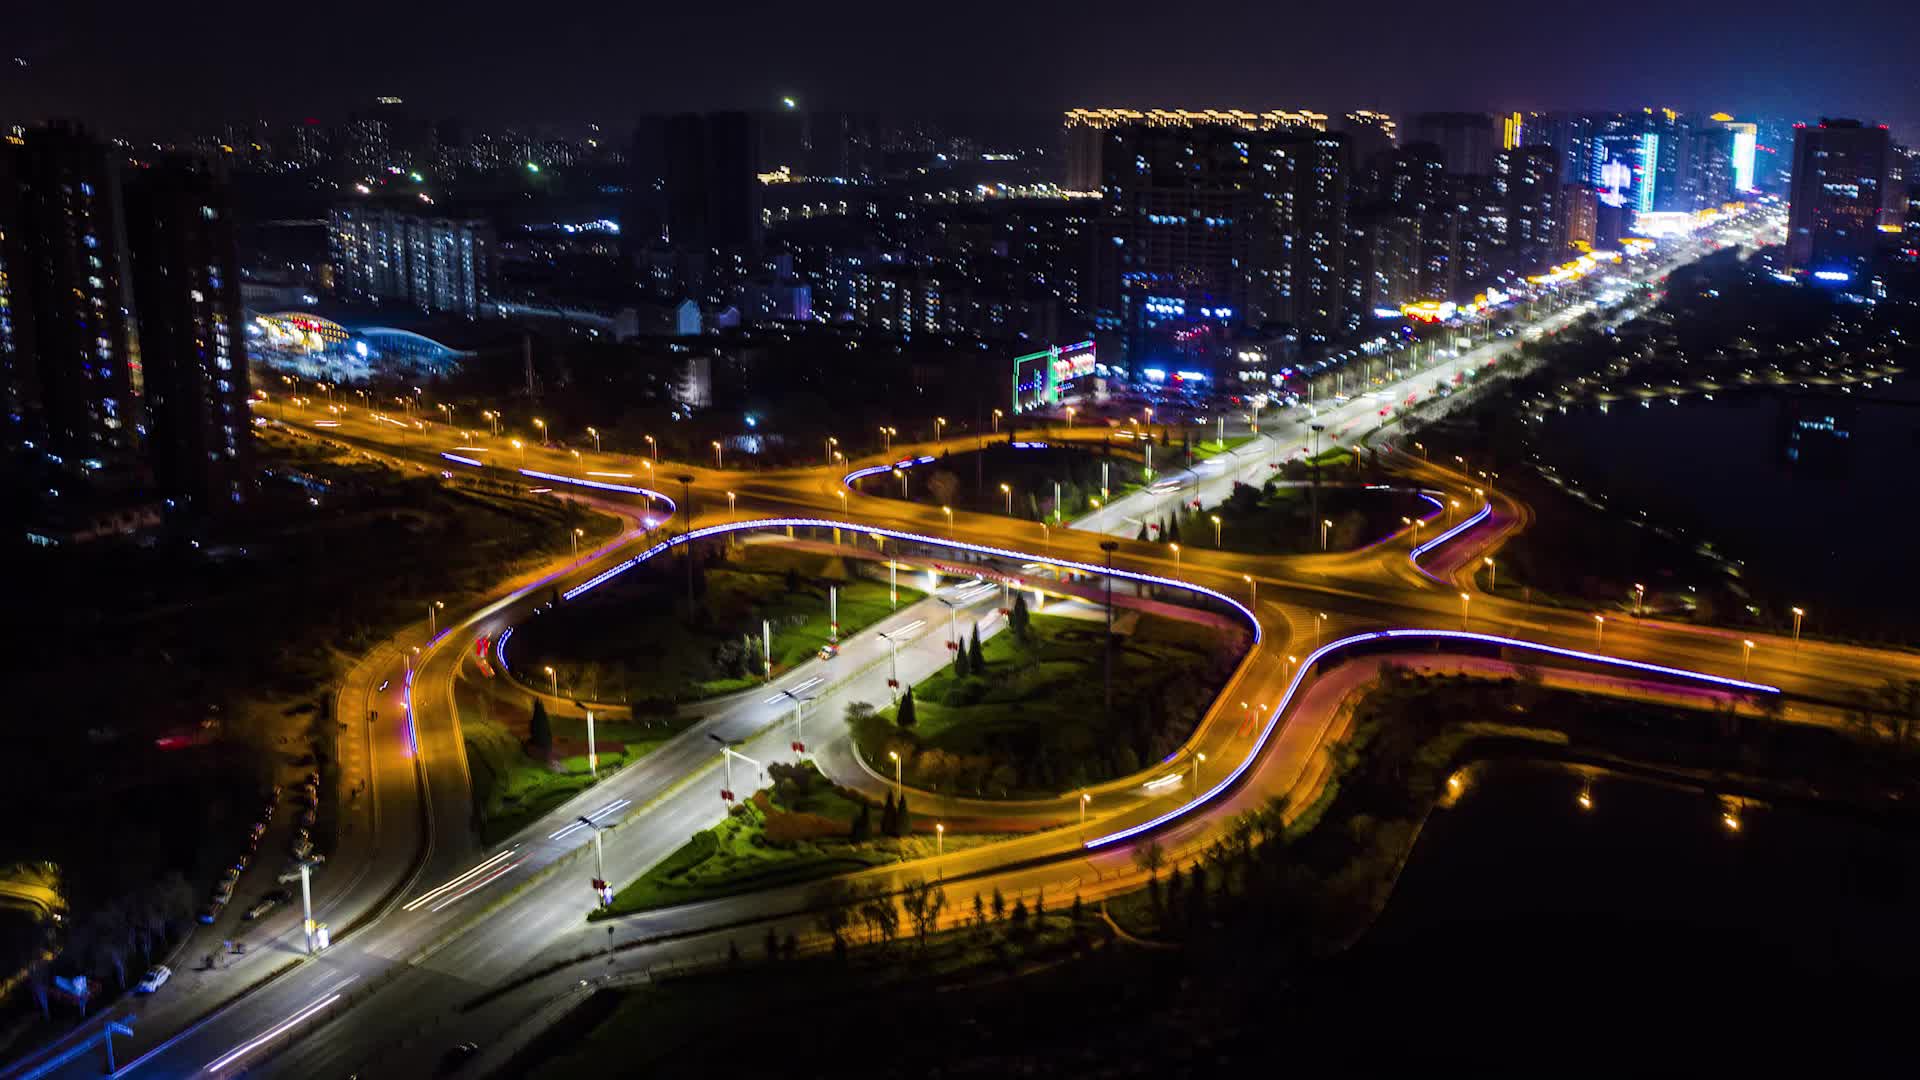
[156,977]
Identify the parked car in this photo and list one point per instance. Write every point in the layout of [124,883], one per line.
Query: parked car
[266,904]
[211,911]
[292,873]
[829,651]
[156,977]
[457,1056]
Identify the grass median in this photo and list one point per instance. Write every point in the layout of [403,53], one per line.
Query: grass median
[1032,720]
[800,828]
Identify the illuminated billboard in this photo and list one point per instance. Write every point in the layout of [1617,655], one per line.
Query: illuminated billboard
[1040,378]
[1746,141]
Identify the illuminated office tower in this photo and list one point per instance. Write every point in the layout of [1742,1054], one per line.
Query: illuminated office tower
[1839,199]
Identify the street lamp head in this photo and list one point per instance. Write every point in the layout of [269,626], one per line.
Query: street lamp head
[894,754]
[1596,618]
[1748,643]
[1799,611]
[1488,560]
[579,532]
[547,670]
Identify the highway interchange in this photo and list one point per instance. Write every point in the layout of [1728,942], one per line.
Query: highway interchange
[441,940]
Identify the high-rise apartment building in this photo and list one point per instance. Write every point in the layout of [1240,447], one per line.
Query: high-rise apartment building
[1578,223]
[1219,224]
[68,335]
[122,342]
[1467,141]
[193,342]
[712,182]
[1840,198]
[392,255]
[1090,131]
[1527,178]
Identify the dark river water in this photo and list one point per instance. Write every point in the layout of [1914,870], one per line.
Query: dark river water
[1642,922]
[1815,488]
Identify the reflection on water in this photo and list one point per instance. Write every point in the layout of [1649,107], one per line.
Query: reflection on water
[1807,487]
[1578,898]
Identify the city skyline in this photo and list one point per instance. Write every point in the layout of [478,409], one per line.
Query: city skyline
[608,67]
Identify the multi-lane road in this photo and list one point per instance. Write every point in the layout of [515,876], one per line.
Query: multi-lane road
[450,940]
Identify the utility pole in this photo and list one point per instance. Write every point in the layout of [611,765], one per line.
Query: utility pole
[1317,429]
[1109,546]
[686,533]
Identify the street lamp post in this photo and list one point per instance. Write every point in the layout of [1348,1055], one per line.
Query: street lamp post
[601,889]
[1198,760]
[948,510]
[1253,591]
[575,537]
[718,463]
[1319,627]
[1107,547]
[593,756]
[654,447]
[1176,561]
[1007,490]
[831,443]
[1798,614]
[553,680]
[1325,524]
[895,755]
[595,432]
[1599,631]
[433,620]
[1493,574]
[1464,601]
[542,425]
[1216,529]
[730,504]
[939,429]
[1084,800]
[1640,599]
[902,474]
[996,421]
[1746,656]
[939,838]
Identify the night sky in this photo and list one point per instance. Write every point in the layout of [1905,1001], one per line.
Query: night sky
[138,65]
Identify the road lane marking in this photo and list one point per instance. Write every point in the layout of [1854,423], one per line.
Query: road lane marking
[429,895]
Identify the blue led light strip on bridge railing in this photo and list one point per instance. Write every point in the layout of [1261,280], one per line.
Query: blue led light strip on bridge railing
[907,537]
[1331,647]
[876,470]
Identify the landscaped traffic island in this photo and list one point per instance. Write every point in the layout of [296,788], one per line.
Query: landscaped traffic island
[1286,518]
[638,640]
[799,828]
[1038,480]
[1028,716]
